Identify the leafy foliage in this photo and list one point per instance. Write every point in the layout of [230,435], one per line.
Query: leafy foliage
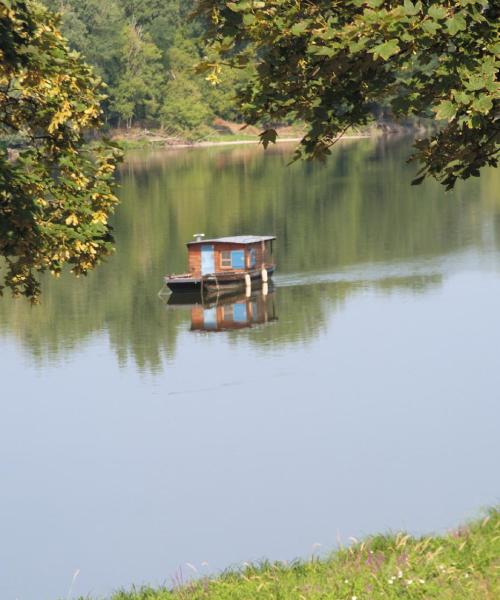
[137,93]
[184,108]
[328,63]
[56,196]
[140,48]
[96,30]
[179,116]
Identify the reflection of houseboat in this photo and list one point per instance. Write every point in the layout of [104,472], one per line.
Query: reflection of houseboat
[224,313]
[225,264]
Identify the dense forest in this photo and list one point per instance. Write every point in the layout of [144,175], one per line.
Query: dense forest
[145,52]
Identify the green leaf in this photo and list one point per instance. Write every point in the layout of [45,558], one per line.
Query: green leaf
[239,6]
[386,50]
[374,3]
[455,24]
[437,12]
[482,104]
[412,9]
[430,27]
[358,45]
[406,36]
[268,136]
[461,97]
[249,19]
[446,110]
[299,28]
[494,48]
[324,51]
[489,67]
[475,83]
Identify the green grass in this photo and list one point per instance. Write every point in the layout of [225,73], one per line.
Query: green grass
[462,565]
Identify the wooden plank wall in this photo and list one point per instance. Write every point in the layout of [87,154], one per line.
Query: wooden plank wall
[194,260]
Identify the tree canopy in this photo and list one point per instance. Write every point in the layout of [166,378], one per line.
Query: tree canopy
[56,195]
[328,63]
[145,51]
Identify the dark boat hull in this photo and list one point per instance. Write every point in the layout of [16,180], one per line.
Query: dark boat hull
[223,282]
[184,287]
[210,298]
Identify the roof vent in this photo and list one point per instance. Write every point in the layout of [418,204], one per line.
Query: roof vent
[199,236]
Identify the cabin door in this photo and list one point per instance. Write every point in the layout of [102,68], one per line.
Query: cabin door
[207,259]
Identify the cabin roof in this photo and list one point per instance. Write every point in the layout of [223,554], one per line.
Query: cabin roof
[236,239]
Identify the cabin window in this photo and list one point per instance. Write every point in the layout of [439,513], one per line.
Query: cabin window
[252,257]
[232,259]
[225,259]
[238,259]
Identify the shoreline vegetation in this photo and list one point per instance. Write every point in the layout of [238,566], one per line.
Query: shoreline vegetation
[225,133]
[232,134]
[460,565]
[222,133]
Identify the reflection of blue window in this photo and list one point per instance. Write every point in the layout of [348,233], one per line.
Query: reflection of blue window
[240,312]
[252,257]
[238,259]
[210,318]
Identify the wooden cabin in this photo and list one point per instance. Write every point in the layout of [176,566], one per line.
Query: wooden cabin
[225,264]
[236,254]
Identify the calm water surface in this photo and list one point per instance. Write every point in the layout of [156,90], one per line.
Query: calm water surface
[367,398]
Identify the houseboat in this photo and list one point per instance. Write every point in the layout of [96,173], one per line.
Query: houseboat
[225,264]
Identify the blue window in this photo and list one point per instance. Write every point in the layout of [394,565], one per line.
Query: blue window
[238,259]
[240,312]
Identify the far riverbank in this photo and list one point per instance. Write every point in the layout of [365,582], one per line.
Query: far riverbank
[232,134]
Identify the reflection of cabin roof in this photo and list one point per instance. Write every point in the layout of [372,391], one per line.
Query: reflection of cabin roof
[236,239]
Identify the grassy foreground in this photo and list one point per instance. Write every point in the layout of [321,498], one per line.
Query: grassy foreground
[464,564]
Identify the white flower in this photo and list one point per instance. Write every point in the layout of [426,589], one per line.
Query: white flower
[421,580]
[409,581]
[354,598]
[400,573]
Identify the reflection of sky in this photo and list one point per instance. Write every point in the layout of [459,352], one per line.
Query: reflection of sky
[387,420]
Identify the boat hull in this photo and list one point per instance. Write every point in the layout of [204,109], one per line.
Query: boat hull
[184,287]
[211,299]
[222,282]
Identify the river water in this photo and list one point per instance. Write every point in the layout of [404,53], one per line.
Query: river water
[140,447]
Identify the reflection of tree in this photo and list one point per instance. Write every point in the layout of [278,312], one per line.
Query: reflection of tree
[357,210]
[303,311]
